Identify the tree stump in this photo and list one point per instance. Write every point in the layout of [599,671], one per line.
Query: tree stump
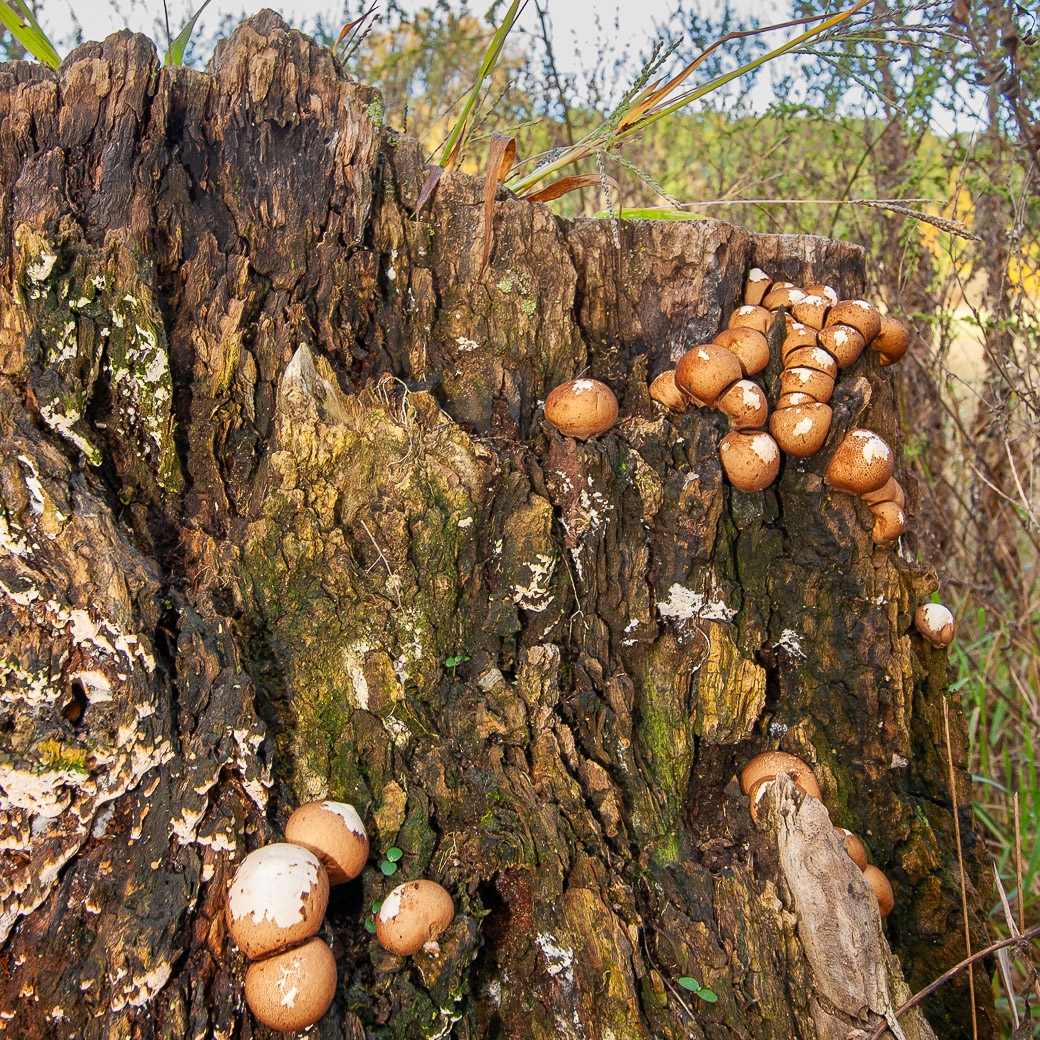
[280,519]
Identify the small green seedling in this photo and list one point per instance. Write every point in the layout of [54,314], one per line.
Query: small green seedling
[370,921]
[695,987]
[454,661]
[389,864]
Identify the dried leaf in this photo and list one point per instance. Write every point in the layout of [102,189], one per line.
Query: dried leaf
[500,161]
[428,185]
[567,184]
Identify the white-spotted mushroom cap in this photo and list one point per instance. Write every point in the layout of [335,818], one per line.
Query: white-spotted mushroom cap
[827,292]
[812,357]
[277,898]
[292,990]
[818,385]
[889,522]
[707,372]
[854,847]
[892,342]
[582,408]
[756,286]
[812,310]
[749,346]
[749,317]
[890,491]
[334,832]
[862,463]
[801,429]
[797,335]
[936,624]
[794,398]
[859,314]
[881,888]
[751,459]
[783,294]
[413,915]
[843,343]
[745,404]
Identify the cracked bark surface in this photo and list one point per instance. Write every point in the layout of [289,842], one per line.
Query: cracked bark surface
[272,452]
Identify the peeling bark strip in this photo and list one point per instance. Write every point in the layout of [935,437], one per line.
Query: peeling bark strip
[272,455]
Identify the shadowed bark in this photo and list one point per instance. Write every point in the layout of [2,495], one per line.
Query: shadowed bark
[273,453]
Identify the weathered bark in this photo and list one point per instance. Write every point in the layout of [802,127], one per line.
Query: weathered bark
[272,453]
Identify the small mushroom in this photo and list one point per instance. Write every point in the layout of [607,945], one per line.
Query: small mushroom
[745,404]
[756,286]
[859,314]
[797,335]
[665,391]
[749,317]
[890,491]
[751,460]
[749,346]
[414,914]
[812,310]
[278,897]
[936,624]
[707,372]
[856,849]
[768,764]
[292,990]
[889,522]
[862,463]
[843,343]
[892,342]
[881,887]
[828,293]
[812,357]
[783,294]
[794,398]
[582,408]
[801,429]
[333,831]
[818,385]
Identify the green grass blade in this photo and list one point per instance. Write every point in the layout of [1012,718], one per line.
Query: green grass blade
[25,29]
[175,52]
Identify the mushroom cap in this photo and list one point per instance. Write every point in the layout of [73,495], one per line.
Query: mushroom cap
[862,463]
[801,429]
[707,372]
[664,390]
[812,310]
[745,404]
[890,491]
[797,335]
[333,831]
[277,897]
[818,385]
[856,849]
[843,343]
[936,624]
[893,341]
[414,914]
[812,357]
[783,294]
[882,888]
[292,990]
[860,314]
[756,286]
[751,460]
[582,408]
[804,781]
[793,398]
[766,765]
[750,317]
[827,292]
[749,347]
[889,522]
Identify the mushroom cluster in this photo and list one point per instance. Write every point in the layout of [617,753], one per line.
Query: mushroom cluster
[863,466]
[277,902]
[763,769]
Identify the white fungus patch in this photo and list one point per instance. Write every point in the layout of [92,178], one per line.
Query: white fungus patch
[582,386]
[791,642]
[559,959]
[684,604]
[348,814]
[466,345]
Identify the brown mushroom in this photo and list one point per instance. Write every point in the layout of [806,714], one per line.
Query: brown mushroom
[751,459]
[802,429]
[766,765]
[413,915]
[881,888]
[812,311]
[812,357]
[890,491]
[783,294]
[797,335]
[843,343]
[707,372]
[817,385]
[749,317]
[829,294]
[665,391]
[936,623]
[582,408]
[862,463]
[756,286]
[859,314]
[794,398]
[892,342]
[333,831]
[749,347]
[292,990]
[745,404]
[856,849]
[889,522]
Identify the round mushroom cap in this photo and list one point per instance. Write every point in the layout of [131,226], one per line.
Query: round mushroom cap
[936,624]
[797,335]
[414,914]
[756,286]
[827,292]
[751,460]
[749,347]
[889,522]
[812,310]
[818,385]
[766,765]
[862,463]
[805,782]
[745,404]
[582,408]
[801,429]
[664,390]
[333,831]
[854,847]
[881,887]
[292,990]
[783,294]
[707,372]
[812,357]
[278,897]
[860,314]
[890,491]
[749,317]
[843,343]
[893,341]
[797,397]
